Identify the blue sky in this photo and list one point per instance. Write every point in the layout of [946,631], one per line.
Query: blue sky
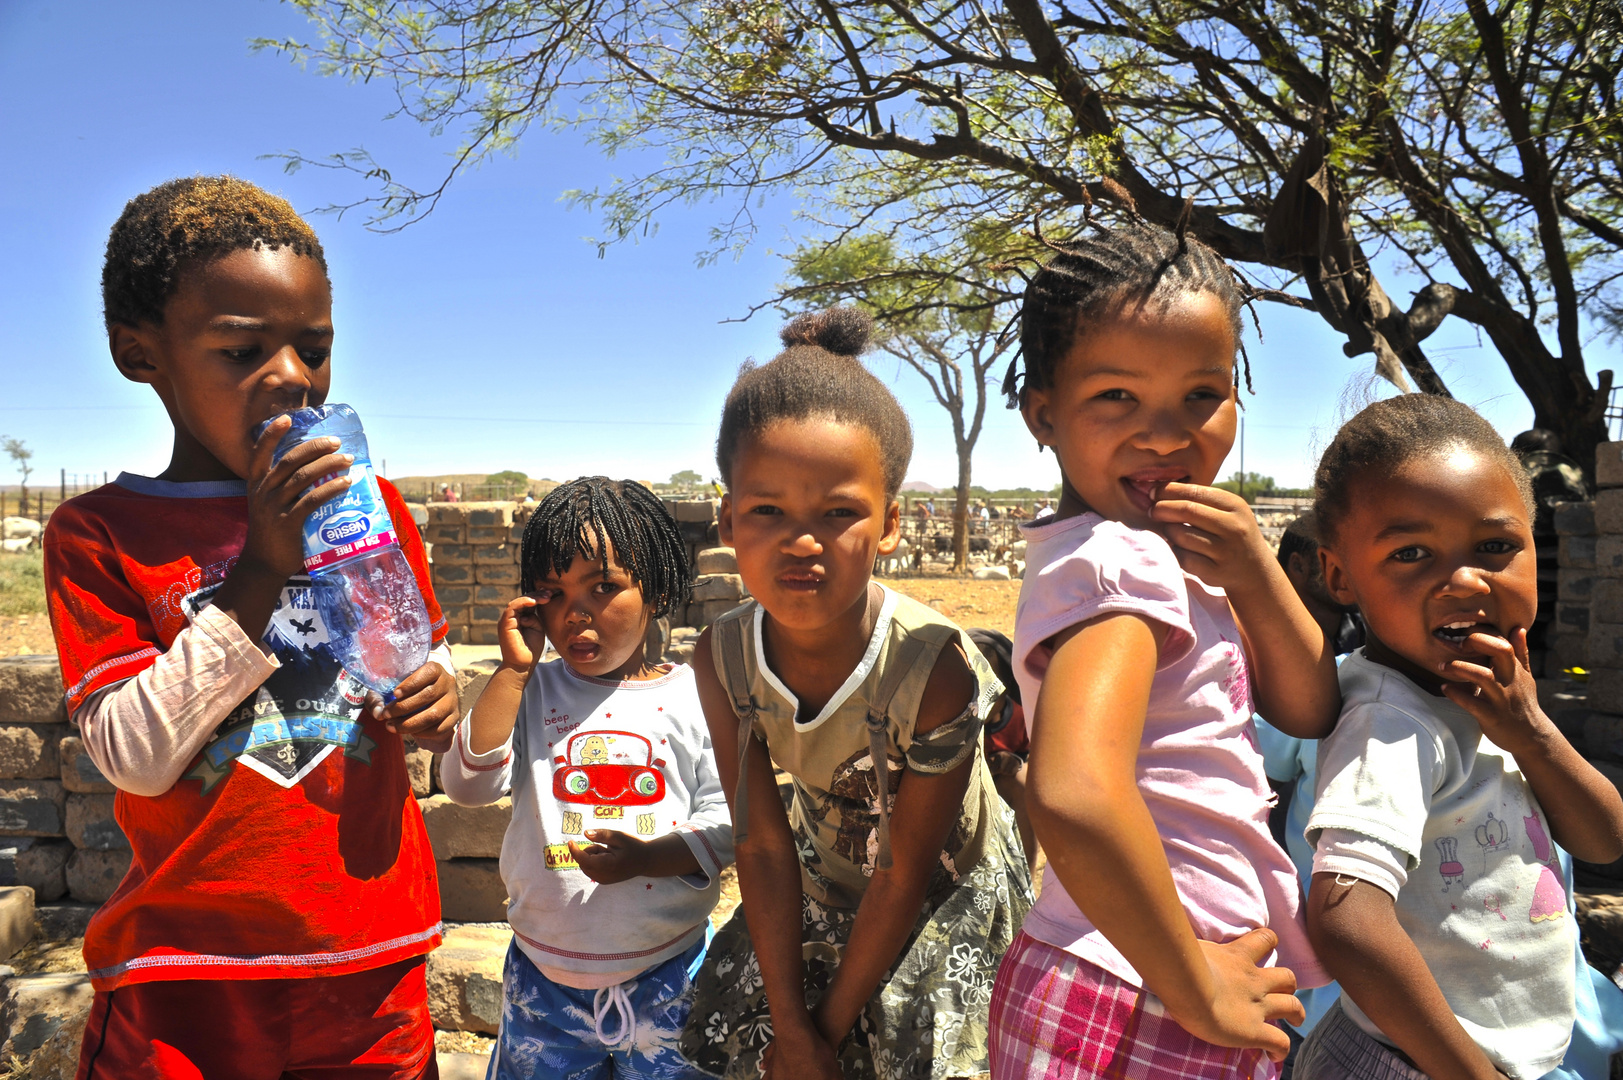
[483,337]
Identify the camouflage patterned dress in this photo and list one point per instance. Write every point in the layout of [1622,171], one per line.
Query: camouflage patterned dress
[928,1018]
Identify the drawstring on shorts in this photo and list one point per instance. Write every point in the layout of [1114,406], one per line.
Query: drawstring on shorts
[615,998]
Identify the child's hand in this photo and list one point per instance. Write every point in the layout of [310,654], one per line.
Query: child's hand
[1246,999]
[1214,534]
[425,707]
[612,856]
[281,497]
[802,1054]
[1502,695]
[520,634]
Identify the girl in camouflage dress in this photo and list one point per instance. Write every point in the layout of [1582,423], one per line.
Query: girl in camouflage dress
[871,927]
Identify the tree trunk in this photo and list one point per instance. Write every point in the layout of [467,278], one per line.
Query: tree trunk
[960,514]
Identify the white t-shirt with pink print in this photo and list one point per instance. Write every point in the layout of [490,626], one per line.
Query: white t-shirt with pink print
[1199,769]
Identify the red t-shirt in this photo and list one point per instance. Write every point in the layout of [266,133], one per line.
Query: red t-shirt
[291,846]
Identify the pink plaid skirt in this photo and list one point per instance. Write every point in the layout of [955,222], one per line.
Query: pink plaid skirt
[1058,1017]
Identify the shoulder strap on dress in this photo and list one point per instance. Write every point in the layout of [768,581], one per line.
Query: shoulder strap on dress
[878,718]
[728,636]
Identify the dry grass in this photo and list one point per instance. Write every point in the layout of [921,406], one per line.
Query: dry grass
[22,583]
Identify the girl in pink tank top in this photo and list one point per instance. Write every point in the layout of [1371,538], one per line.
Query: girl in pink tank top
[1153,619]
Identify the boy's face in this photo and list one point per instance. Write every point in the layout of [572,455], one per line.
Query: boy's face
[245,337]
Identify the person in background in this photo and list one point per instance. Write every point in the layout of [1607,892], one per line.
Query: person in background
[1556,479]
[1044,508]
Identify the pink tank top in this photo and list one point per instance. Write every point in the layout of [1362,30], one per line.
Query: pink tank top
[1199,769]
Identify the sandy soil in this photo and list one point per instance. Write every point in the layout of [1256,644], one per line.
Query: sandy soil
[965,601]
[20,634]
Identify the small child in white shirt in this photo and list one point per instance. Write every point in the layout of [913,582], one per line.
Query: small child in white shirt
[620,827]
[1437,900]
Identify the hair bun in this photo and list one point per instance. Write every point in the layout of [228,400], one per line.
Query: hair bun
[843,331]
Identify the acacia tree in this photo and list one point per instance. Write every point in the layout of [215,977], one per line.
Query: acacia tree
[1476,148]
[948,332]
[20,456]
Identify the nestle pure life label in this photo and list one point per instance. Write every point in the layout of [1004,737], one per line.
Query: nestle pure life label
[355,523]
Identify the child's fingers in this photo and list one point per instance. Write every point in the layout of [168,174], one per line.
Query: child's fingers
[1200,493]
[588,852]
[307,463]
[607,837]
[307,503]
[1180,511]
[519,607]
[1518,642]
[259,462]
[1501,655]
[1286,1007]
[1275,1043]
[412,705]
[1257,944]
[1192,538]
[1469,679]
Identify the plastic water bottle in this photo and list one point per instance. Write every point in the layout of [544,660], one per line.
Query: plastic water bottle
[363,587]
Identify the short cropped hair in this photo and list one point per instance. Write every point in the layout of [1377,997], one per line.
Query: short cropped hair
[1391,433]
[185,223]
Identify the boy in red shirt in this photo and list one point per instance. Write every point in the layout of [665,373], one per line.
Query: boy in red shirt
[282,894]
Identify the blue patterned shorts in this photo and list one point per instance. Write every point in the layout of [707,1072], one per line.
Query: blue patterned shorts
[554,1031]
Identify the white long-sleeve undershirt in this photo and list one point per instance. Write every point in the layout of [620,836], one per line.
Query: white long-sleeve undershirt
[143,732]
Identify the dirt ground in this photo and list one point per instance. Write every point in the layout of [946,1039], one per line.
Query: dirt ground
[22,634]
[966,602]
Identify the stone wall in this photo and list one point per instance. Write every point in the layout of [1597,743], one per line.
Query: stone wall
[475,553]
[1587,634]
[57,833]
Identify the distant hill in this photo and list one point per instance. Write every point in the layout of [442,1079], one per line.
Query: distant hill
[919,487]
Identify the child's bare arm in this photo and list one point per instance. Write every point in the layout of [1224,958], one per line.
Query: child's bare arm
[1584,808]
[1082,793]
[495,713]
[522,640]
[769,881]
[1293,666]
[924,812]
[1356,932]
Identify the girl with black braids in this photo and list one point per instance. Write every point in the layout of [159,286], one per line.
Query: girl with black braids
[620,828]
[1152,615]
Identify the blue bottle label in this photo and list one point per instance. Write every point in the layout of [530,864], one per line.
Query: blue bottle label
[355,523]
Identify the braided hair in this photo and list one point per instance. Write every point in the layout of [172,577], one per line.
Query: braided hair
[1389,434]
[183,223]
[818,374]
[1093,277]
[574,519]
